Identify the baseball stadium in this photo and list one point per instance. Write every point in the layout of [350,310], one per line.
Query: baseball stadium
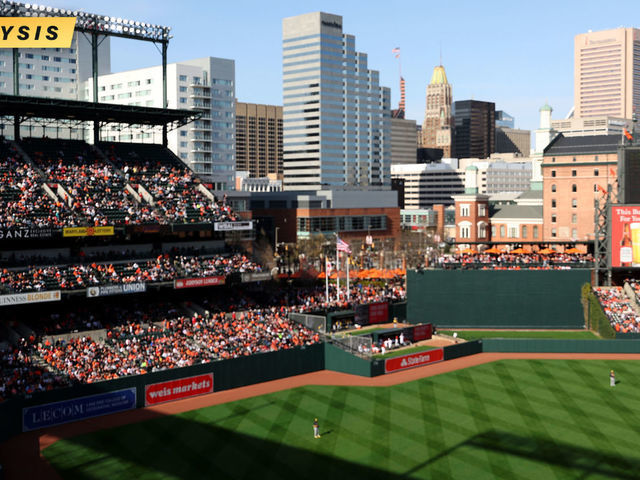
[143,334]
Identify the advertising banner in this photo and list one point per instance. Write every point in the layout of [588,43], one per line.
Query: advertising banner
[256,277]
[45,32]
[625,236]
[31,297]
[233,226]
[24,233]
[378,313]
[198,282]
[88,231]
[422,332]
[76,409]
[156,393]
[120,289]
[413,360]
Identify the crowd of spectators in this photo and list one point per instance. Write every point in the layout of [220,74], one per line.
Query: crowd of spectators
[515,261]
[163,268]
[94,191]
[145,337]
[617,307]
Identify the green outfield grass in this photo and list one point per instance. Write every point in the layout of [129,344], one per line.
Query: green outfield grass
[517,419]
[562,335]
[405,351]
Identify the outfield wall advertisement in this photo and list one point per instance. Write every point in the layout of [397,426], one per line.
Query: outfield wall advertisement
[625,236]
[162,392]
[57,413]
[413,360]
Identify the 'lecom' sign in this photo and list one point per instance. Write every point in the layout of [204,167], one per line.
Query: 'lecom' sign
[413,360]
[178,389]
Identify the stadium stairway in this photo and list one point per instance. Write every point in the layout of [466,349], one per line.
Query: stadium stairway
[633,299]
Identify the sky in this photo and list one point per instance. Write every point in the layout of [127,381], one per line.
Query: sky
[515,53]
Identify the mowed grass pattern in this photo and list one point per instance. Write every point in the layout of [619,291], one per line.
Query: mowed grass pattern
[558,334]
[545,419]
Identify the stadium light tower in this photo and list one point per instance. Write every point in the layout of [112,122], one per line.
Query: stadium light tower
[93,26]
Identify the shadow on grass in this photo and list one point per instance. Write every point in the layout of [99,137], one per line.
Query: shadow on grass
[583,461]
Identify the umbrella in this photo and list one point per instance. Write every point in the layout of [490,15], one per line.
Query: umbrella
[517,250]
[546,251]
[321,275]
[493,250]
[572,250]
[469,251]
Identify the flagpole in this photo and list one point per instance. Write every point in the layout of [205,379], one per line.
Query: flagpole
[348,293]
[326,278]
[337,271]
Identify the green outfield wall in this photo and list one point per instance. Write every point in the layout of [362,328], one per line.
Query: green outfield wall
[517,345]
[533,299]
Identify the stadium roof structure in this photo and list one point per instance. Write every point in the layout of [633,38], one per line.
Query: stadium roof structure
[78,111]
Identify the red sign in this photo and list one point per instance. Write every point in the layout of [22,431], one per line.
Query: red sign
[198,282]
[379,312]
[422,332]
[413,360]
[178,389]
[625,236]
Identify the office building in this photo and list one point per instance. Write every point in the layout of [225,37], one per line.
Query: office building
[475,124]
[336,116]
[607,73]
[579,127]
[54,72]
[259,139]
[205,84]
[437,128]
[503,119]
[404,141]
[427,184]
[513,140]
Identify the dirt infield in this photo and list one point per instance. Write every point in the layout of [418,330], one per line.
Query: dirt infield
[21,456]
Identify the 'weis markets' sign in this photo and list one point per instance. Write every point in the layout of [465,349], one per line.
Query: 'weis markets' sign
[413,360]
[178,389]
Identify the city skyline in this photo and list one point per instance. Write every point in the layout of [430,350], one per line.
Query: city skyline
[516,56]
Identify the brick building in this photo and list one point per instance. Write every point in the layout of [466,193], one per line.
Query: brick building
[572,170]
[472,218]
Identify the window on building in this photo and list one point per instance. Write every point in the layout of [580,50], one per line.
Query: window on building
[574,173]
[525,231]
[574,159]
[465,232]
[574,188]
[553,203]
[183,133]
[574,233]
[595,187]
[182,78]
[553,159]
[482,209]
[574,203]
[183,99]
[513,232]
[553,219]
[574,218]
[464,210]
[493,230]
[553,188]
[535,231]
[596,172]
[553,173]
[183,89]
[502,231]
[554,234]
[482,231]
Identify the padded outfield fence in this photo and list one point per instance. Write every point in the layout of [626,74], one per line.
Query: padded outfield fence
[546,299]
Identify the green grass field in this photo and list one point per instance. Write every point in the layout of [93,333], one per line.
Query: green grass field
[562,335]
[405,351]
[517,419]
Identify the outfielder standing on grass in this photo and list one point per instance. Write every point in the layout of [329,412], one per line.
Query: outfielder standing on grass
[316,429]
[612,379]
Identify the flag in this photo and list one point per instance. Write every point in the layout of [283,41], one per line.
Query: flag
[602,190]
[343,246]
[396,51]
[627,134]
[612,172]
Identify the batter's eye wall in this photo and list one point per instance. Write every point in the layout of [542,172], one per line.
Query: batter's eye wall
[496,299]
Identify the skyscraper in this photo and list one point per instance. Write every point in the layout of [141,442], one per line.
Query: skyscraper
[475,128]
[336,116]
[607,73]
[438,121]
[259,139]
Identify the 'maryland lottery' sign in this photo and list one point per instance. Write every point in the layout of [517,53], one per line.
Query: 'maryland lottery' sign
[88,231]
[121,289]
[32,297]
[233,226]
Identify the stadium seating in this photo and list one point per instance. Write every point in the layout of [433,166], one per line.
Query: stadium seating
[618,309]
